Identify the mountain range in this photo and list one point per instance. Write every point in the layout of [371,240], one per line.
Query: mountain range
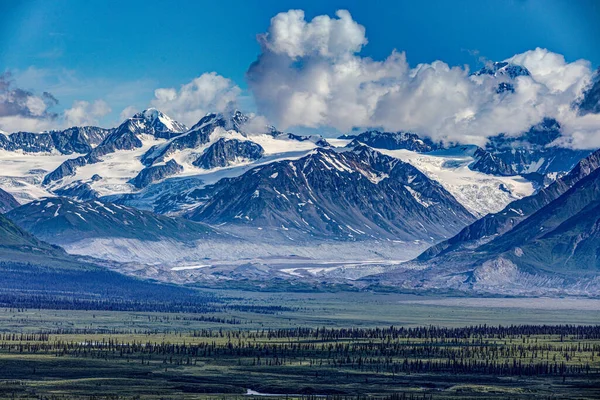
[225,200]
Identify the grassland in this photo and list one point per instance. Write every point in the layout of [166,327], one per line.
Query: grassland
[73,354]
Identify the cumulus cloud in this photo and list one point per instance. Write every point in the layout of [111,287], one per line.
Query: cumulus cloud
[310,74]
[290,34]
[21,109]
[209,92]
[86,113]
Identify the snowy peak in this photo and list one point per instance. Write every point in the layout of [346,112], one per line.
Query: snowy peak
[503,68]
[162,125]
[199,135]
[153,122]
[234,120]
[150,124]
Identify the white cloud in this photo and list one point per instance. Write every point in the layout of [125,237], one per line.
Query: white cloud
[16,123]
[86,113]
[290,34]
[551,70]
[209,92]
[310,74]
[127,112]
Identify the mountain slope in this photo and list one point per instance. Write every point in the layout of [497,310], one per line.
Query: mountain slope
[61,220]
[561,236]
[15,238]
[30,266]
[198,135]
[480,193]
[223,153]
[498,223]
[356,194]
[7,202]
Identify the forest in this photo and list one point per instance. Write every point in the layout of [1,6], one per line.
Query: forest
[121,355]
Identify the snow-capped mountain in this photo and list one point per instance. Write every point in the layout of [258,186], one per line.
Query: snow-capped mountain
[159,124]
[394,141]
[504,71]
[73,140]
[353,194]
[549,244]
[197,136]
[530,152]
[479,192]
[268,195]
[149,162]
[134,133]
[501,222]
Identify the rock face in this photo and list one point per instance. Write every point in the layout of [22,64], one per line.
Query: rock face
[7,202]
[226,152]
[490,164]
[73,140]
[60,221]
[155,173]
[499,223]
[395,141]
[127,136]
[68,168]
[353,194]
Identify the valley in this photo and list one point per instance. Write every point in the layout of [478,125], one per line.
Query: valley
[287,353]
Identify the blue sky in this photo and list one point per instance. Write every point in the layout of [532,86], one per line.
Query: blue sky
[121,51]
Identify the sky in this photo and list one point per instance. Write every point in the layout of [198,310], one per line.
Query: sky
[97,62]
